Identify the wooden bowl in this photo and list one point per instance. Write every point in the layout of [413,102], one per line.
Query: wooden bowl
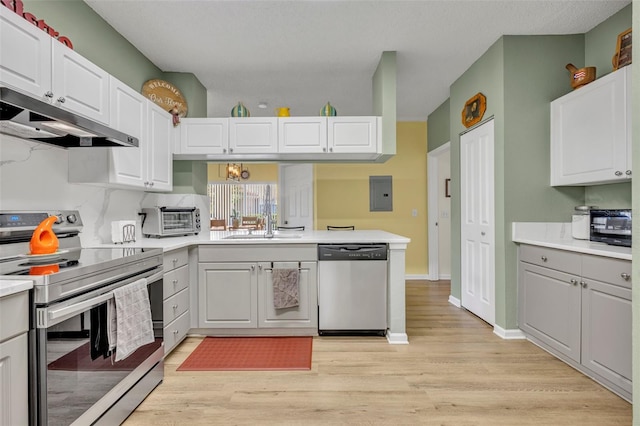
[581,76]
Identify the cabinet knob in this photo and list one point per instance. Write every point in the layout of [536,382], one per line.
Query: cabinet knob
[618,173]
[574,281]
[583,284]
[174,282]
[175,307]
[482,233]
[330,149]
[49,94]
[253,267]
[544,258]
[230,149]
[260,267]
[324,149]
[175,260]
[625,276]
[628,172]
[224,150]
[175,331]
[61,100]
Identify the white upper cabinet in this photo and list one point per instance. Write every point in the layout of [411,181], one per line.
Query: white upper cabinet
[353,135]
[302,135]
[159,156]
[206,136]
[79,85]
[129,115]
[149,166]
[25,55]
[253,135]
[36,64]
[591,132]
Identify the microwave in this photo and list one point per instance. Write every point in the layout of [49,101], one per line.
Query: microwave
[160,222]
[611,227]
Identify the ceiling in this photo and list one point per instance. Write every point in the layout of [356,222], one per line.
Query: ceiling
[302,54]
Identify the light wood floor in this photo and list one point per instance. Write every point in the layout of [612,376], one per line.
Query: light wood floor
[455,371]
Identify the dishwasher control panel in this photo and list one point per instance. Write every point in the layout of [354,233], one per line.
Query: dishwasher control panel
[352,251]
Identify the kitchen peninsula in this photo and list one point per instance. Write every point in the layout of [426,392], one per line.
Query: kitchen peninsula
[184,255]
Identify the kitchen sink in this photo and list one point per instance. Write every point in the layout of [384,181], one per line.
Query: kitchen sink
[276,236]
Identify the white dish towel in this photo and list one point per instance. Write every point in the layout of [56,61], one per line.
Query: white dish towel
[133,318]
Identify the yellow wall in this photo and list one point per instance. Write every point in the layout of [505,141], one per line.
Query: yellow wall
[342,194]
[258,172]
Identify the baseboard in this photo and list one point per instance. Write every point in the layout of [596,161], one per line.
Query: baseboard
[415,277]
[512,334]
[397,338]
[455,301]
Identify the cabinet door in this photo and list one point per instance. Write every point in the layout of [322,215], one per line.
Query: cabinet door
[204,136]
[14,378]
[549,308]
[352,134]
[129,115]
[302,135]
[606,332]
[79,85]
[25,55]
[227,295]
[303,315]
[251,135]
[590,132]
[159,157]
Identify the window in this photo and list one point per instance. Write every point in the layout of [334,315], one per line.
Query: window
[230,199]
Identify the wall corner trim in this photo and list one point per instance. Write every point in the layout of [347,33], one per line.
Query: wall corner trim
[511,334]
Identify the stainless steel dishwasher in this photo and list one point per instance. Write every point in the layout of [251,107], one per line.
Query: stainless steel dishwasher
[352,288]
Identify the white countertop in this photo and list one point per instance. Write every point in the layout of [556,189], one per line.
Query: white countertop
[306,237]
[12,286]
[558,236]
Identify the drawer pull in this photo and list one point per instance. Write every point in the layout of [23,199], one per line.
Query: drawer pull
[625,276]
[574,281]
[544,258]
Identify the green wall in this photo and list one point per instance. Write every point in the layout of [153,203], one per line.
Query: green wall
[384,102]
[438,126]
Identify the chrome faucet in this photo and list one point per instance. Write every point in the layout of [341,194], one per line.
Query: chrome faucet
[268,218]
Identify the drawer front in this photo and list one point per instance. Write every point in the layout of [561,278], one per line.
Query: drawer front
[175,280]
[607,269]
[175,306]
[175,332]
[14,315]
[559,260]
[176,258]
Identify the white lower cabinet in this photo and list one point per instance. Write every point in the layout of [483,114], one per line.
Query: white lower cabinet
[176,298]
[239,294]
[14,373]
[578,307]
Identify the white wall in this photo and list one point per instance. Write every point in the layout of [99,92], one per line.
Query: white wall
[34,176]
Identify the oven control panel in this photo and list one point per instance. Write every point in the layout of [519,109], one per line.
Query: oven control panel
[68,220]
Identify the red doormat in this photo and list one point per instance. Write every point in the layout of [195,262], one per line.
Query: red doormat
[80,359]
[250,353]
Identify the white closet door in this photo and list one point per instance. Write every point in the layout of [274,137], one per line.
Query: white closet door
[478,221]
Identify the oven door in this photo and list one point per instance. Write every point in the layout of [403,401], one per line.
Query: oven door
[74,385]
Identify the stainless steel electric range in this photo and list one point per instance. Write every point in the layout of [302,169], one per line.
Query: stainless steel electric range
[69,383]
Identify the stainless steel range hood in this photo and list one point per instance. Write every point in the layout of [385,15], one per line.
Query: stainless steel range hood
[29,118]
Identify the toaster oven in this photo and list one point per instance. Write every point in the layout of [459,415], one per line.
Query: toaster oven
[160,222]
[611,227]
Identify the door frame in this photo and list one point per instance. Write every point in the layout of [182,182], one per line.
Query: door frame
[433,209]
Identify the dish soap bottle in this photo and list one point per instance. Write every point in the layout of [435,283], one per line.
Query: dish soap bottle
[44,240]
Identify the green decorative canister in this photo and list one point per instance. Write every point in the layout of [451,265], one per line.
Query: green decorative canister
[240,111]
[328,111]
